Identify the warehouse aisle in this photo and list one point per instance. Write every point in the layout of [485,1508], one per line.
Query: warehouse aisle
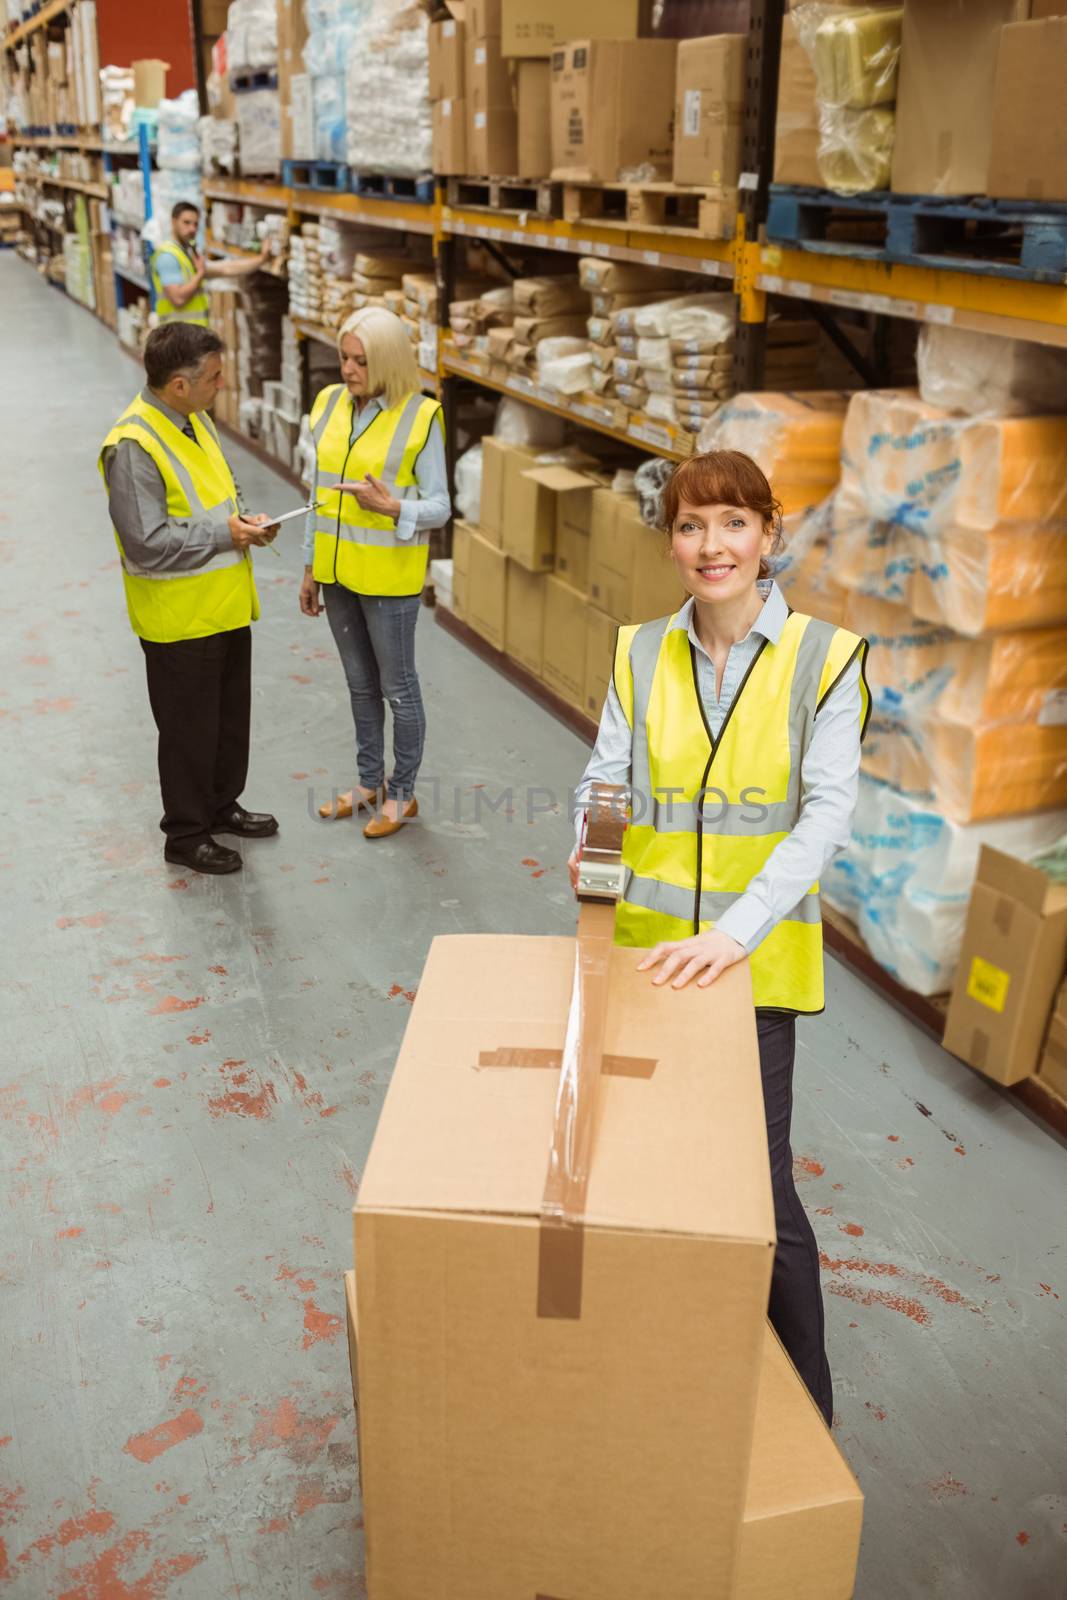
[194,1068]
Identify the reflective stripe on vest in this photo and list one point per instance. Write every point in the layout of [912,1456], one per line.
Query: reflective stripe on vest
[196,309]
[184,600]
[707,814]
[356,548]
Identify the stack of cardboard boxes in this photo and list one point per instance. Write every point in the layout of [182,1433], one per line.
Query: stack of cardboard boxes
[223,303]
[536,1408]
[556,563]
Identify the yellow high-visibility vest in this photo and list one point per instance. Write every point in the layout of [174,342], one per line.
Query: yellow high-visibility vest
[189,602]
[196,308]
[707,813]
[355,548]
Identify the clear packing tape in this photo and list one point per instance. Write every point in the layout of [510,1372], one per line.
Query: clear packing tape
[905,879]
[855,54]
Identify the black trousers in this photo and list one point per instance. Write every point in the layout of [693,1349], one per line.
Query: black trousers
[796,1309]
[200,691]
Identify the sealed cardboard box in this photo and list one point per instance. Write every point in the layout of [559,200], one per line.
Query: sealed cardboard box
[944,124]
[1052,1070]
[487,74]
[352,1324]
[533,98]
[507,1452]
[610,558]
[525,623]
[537,27]
[595,86]
[569,508]
[563,660]
[1014,951]
[493,140]
[631,575]
[448,45]
[1029,155]
[149,81]
[709,103]
[529,532]
[496,455]
[450,121]
[484,18]
[601,632]
[486,590]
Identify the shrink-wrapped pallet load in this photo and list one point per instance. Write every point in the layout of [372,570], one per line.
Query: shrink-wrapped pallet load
[855,54]
[795,438]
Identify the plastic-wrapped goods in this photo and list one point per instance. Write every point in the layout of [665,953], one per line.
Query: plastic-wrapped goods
[564,364]
[179,138]
[218,144]
[985,375]
[259,121]
[905,879]
[516,423]
[855,54]
[653,321]
[795,439]
[978,725]
[328,117]
[804,571]
[390,127]
[857,155]
[963,520]
[469,484]
[252,35]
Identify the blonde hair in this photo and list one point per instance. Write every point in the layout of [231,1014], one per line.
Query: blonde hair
[392,371]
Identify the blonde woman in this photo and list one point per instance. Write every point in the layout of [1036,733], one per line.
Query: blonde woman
[382,486]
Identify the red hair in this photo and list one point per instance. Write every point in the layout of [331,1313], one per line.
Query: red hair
[722,478]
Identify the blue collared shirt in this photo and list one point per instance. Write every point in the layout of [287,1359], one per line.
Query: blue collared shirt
[829,771]
[433,507]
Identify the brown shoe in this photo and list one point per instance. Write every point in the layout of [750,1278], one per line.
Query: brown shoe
[347,803]
[380,827]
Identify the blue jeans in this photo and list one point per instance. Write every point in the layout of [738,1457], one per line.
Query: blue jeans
[375,637]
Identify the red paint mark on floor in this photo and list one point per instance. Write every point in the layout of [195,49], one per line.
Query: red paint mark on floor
[350,1180]
[188,1387]
[173,1002]
[147,1446]
[275,1525]
[92,1525]
[894,1138]
[1048,1289]
[44,707]
[960,1151]
[178,883]
[905,1161]
[853,1229]
[824,1211]
[96,919]
[880,1297]
[220,970]
[875,1411]
[303,1438]
[312,1493]
[1022,1537]
[320,880]
[837,1186]
[163,1361]
[319,1326]
[197,1038]
[947,1488]
[409,994]
[161,1083]
[113,1102]
[70,1233]
[530,861]
[329,1111]
[805,1167]
[7,1438]
[299,776]
[249,1095]
[101,1579]
[299,677]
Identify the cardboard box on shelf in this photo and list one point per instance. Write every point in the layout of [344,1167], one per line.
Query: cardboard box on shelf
[484,18]
[448,48]
[1029,152]
[525,620]
[149,81]
[462,533]
[486,590]
[601,633]
[631,575]
[488,78]
[1052,1069]
[536,1370]
[708,108]
[532,496]
[563,667]
[533,98]
[1011,964]
[492,140]
[574,518]
[595,86]
[538,27]
[450,121]
[294,86]
[944,123]
[498,456]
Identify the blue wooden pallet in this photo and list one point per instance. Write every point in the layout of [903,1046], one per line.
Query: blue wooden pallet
[376,186]
[244,82]
[1022,239]
[328,177]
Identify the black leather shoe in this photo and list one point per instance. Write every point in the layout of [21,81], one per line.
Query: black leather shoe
[249,824]
[206,856]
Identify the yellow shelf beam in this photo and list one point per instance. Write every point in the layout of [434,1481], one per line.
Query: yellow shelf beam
[405,215]
[714,257]
[48,13]
[75,141]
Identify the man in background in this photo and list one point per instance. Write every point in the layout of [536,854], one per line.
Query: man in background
[178,270]
[185,547]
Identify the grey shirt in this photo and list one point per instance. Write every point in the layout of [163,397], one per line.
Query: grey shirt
[137,501]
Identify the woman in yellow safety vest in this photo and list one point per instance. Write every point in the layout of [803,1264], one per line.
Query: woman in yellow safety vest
[736,723]
[381,485]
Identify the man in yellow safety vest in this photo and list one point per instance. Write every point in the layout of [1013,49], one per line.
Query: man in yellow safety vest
[178,270]
[185,548]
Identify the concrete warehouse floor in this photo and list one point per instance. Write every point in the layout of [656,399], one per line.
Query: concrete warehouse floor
[193,1068]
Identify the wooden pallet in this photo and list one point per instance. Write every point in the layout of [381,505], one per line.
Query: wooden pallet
[653,208]
[328,177]
[536,196]
[1019,239]
[244,82]
[383,186]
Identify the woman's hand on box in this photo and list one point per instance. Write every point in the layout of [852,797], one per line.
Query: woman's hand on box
[704,957]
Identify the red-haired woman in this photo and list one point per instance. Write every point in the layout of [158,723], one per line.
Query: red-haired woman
[737,723]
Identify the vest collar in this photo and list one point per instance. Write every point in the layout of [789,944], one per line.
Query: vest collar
[171,415]
[768,625]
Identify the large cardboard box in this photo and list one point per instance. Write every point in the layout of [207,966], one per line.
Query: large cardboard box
[708,109]
[525,621]
[1014,952]
[595,86]
[462,533]
[1029,155]
[533,98]
[944,113]
[484,18]
[488,78]
[529,531]
[563,656]
[574,521]
[497,457]
[601,632]
[538,27]
[295,111]
[450,126]
[486,590]
[1052,1070]
[631,575]
[448,46]
[492,140]
[507,1453]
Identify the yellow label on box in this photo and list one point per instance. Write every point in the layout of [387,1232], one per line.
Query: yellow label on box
[988,984]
